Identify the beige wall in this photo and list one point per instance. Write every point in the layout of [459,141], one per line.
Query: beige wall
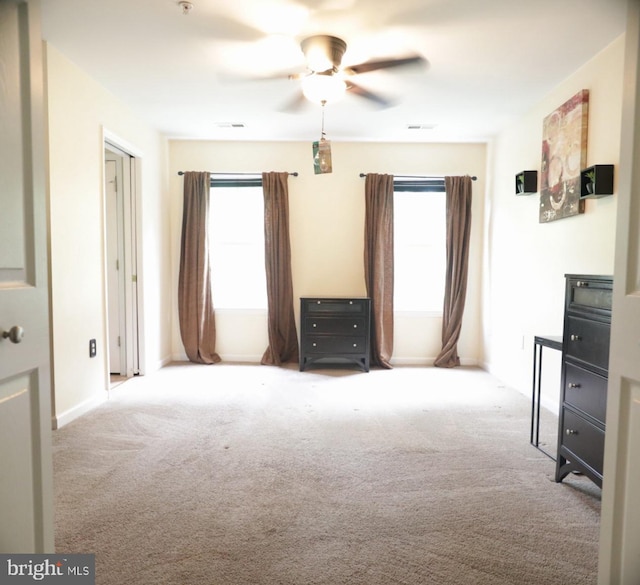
[526,261]
[327,227]
[517,265]
[79,112]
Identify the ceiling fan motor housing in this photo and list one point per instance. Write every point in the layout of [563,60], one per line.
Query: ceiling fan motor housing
[332,48]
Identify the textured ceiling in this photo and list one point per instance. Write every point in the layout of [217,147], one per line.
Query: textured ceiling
[197,76]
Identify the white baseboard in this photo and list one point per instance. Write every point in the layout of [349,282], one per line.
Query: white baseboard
[242,358]
[421,361]
[164,362]
[255,359]
[225,357]
[60,420]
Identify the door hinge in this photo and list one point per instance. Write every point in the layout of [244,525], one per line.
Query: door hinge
[134,278]
[118,341]
[117,264]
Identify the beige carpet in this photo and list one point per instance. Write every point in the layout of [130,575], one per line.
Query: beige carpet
[255,475]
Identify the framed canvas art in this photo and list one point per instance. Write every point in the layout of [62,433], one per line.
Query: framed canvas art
[564,154]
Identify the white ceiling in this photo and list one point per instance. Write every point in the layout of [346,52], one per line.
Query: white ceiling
[489,60]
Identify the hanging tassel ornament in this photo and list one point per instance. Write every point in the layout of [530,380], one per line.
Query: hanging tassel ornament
[322,151]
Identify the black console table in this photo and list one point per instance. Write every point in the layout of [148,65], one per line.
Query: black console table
[540,341]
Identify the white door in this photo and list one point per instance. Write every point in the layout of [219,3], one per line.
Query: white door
[620,521]
[26,492]
[121,257]
[115,263]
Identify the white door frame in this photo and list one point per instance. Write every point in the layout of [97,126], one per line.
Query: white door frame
[619,560]
[132,341]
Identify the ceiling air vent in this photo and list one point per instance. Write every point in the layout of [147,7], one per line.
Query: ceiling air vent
[229,125]
[420,126]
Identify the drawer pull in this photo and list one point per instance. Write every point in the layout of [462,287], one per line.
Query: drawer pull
[355,326]
[313,325]
[582,283]
[355,345]
[576,338]
[571,432]
[573,385]
[315,344]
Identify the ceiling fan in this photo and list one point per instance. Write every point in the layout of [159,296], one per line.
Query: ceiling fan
[325,79]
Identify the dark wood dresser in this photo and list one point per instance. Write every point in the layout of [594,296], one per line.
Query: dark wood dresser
[334,330]
[585,363]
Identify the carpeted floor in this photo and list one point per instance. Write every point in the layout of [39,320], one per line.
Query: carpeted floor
[255,475]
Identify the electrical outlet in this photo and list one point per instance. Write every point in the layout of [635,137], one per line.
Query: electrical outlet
[92,348]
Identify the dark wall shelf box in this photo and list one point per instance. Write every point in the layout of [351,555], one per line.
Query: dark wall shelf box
[596,181]
[527,183]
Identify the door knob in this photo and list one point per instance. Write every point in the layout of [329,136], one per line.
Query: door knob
[15,334]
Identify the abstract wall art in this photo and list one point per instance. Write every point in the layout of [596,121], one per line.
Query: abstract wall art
[564,154]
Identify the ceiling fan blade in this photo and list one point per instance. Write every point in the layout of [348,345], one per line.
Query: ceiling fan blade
[385,64]
[295,104]
[369,95]
[290,75]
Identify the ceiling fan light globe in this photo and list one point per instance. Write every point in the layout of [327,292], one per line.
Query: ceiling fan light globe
[323,88]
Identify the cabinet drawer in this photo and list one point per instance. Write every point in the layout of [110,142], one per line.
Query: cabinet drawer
[315,306]
[588,341]
[334,344]
[586,391]
[589,294]
[336,325]
[583,440]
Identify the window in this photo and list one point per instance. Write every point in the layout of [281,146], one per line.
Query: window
[419,245]
[236,243]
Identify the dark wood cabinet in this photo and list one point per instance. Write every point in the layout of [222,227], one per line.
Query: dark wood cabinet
[335,331]
[585,363]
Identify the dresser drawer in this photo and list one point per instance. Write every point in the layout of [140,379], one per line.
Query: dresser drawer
[586,391]
[335,325]
[583,440]
[588,341]
[325,344]
[590,295]
[353,306]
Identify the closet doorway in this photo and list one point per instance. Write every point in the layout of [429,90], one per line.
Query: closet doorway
[121,261]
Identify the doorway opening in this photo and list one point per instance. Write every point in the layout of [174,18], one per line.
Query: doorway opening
[121,257]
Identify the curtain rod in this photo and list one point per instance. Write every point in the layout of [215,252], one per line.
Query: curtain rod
[295,174]
[362,175]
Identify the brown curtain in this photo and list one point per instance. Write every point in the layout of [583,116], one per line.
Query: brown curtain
[283,337]
[458,190]
[378,264]
[195,303]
